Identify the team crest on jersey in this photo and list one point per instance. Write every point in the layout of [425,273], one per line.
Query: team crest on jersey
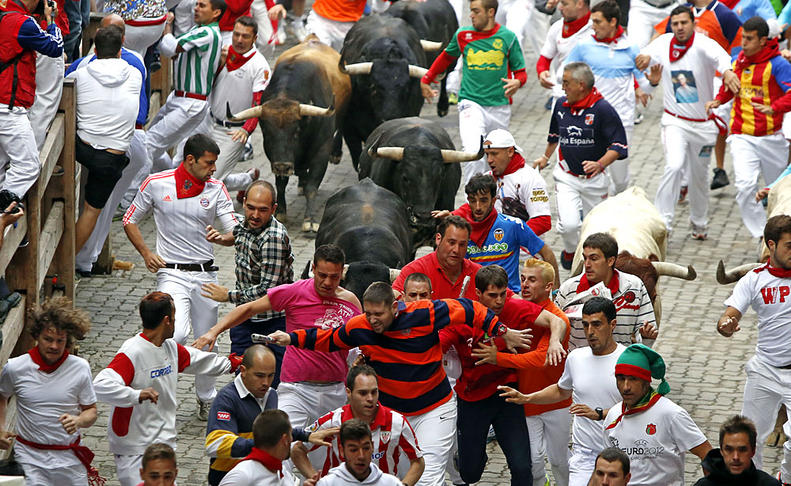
[313,427]
[498,234]
[589,118]
[224,416]
[675,53]
[384,436]
[650,429]
[204,201]
[497,44]
[468,36]
[187,184]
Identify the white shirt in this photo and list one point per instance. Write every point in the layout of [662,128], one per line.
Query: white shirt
[236,88]
[181,223]
[655,441]
[523,194]
[591,380]
[769,297]
[699,66]
[340,476]
[108,100]
[558,47]
[253,473]
[140,364]
[41,398]
[632,304]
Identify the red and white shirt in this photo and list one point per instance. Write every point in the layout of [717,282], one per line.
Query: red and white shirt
[561,39]
[391,433]
[140,364]
[770,297]
[181,222]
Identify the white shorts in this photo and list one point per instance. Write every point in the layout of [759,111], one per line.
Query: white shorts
[476,121]
[43,475]
[306,402]
[330,32]
[435,431]
[128,469]
[581,465]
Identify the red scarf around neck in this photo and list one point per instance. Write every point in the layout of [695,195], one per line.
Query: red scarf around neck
[267,460]
[480,229]
[776,272]
[614,284]
[35,355]
[186,184]
[610,40]
[654,397]
[235,60]
[516,163]
[571,28]
[770,50]
[677,50]
[585,102]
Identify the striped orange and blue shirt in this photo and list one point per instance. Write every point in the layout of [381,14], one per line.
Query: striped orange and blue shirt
[407,357]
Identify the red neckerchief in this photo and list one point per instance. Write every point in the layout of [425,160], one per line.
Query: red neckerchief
[585,102]
[571,28]
[35,355]
[516,163]
[614,283]
[610,40]
[267,460]
[770,50]
[775,272]
[729,3]
[235,60]
[677,50]
[186,184]
[480,229]
[654,397]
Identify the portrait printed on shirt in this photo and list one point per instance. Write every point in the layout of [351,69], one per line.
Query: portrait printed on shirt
[684,86]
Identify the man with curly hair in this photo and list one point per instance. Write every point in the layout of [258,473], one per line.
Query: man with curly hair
[54,398]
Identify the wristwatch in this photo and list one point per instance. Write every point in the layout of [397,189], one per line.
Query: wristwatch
[600,412]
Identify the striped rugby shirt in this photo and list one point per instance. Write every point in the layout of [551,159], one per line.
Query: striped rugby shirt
[391,434]
[197,65]
[408,356]
[632,305]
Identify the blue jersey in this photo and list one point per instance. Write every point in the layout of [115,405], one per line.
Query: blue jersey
[586,133]
[501,247]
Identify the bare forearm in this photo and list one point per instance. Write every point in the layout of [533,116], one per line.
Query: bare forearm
[300,457]
[550,149]
[241,313]
[550,394]
[87,417]
[414,472]
[136,238]
[608,158]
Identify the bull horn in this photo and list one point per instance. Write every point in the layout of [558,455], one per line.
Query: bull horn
[312,110]
[674,270]
[726,277]
[394,273]
[254,112]
[430,46]
[417,71]
[450,156]
[392,153]
[358,68]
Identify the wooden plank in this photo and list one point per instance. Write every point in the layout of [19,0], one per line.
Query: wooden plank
[50,236]
[50,152]
[11,240]
[11,329]
[64,256]
[89,32]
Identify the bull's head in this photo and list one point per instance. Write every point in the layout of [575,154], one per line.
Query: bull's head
[279,119]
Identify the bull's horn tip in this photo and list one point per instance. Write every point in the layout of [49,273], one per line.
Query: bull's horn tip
[692,274]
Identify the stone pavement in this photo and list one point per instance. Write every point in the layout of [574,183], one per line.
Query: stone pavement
[705,370]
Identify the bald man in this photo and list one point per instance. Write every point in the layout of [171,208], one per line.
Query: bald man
[136,153]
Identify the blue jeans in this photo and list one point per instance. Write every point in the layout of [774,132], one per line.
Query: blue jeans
[241,340]
[508,420]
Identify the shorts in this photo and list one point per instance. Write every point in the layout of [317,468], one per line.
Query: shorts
[104,171]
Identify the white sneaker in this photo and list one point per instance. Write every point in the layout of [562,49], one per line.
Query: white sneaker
[203,410]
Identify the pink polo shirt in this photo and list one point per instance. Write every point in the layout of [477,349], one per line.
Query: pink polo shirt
[306,309]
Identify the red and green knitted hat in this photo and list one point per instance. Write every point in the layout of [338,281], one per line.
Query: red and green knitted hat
[642,362]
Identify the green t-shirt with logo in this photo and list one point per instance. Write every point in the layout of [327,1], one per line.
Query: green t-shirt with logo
[488,57]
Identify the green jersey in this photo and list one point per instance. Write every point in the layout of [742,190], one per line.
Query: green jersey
[488,57]
[196,66]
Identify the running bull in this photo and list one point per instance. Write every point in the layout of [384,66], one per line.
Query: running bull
[299,113]
[370,224]
[416,159]
[641,234]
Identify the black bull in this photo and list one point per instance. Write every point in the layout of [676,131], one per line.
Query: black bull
[370,224]
[416,159]
[297,116]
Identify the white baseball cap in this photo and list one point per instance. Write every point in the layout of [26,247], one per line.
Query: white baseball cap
[500,138]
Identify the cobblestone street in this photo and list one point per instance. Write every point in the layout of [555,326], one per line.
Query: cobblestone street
[705,370]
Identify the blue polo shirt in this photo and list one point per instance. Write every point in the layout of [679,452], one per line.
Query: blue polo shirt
[501,247]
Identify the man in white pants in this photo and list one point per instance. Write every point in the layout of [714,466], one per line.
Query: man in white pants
[589,380]
[688,132]
[490,52]
[757,143]
[239,84]
[769,370]
[186,201]
[198,59]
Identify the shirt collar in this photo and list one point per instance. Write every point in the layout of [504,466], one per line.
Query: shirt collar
[380,419]
[244,392]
